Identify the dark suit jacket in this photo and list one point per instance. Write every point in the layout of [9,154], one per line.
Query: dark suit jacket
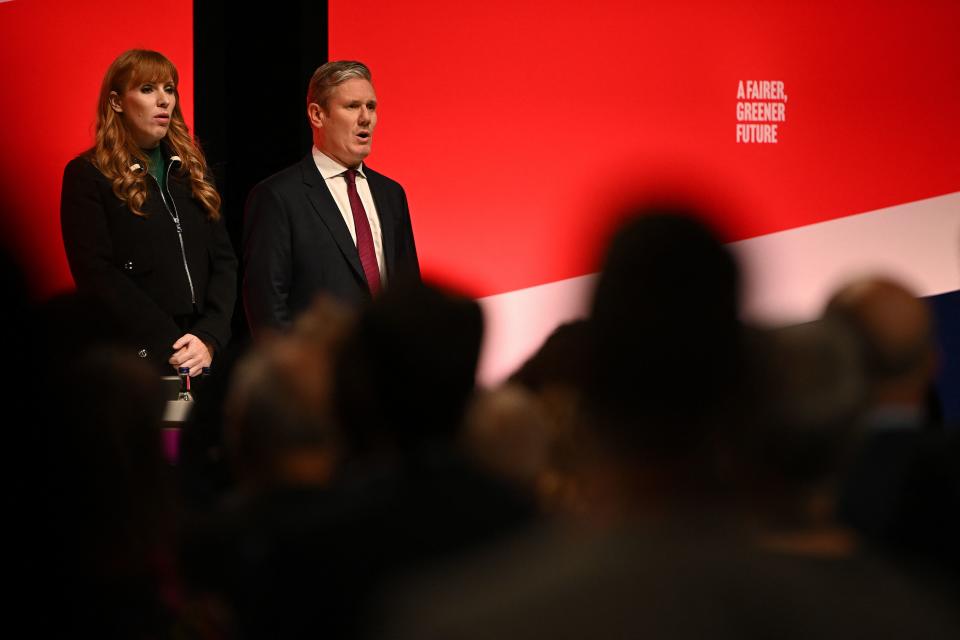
[296,244]
[134,265]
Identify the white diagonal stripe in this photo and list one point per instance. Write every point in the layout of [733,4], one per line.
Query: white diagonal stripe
[788,275]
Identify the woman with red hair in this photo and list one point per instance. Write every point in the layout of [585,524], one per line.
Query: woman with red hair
[141,220]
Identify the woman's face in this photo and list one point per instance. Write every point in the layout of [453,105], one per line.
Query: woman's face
[146,109]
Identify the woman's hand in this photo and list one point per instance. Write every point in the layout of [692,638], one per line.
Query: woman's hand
[191,351]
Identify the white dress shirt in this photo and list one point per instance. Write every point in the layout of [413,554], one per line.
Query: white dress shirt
[334,175]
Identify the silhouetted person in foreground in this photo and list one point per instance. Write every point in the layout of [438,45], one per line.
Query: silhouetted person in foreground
[903,490]
[101,536]
[272,557]
[668,341]
[405,377]
[350,467]
[668,546]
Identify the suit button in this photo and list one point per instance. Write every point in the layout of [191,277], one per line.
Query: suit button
[142,353]
[128,265]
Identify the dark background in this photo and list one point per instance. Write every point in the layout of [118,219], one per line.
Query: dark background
[251,73]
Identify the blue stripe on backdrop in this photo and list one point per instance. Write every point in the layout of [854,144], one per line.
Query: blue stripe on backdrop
[946,309]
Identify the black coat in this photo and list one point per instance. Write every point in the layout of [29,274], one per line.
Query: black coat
[296,244]
[135,267]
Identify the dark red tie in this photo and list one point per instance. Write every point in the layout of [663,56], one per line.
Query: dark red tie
[368,256]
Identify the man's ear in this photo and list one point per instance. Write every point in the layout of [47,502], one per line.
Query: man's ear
[316,115]
[114,100]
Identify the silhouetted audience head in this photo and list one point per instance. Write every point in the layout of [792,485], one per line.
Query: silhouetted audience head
[280,424]
[896,334]
[104,526]
[903,490]
[110,455]
[103,411]
[508,432]
[562,360]
[556,375]
[408,368]
[667,336]
[814,396]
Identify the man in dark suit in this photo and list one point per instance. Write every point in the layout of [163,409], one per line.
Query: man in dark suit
[329,223]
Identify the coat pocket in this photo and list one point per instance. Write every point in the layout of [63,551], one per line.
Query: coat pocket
[136,262]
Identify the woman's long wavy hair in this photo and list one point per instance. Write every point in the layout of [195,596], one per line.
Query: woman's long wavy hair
[115,150]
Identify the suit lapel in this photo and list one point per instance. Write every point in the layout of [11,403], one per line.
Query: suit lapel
[326,207]
[387,220]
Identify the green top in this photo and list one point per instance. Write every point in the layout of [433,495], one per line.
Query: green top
[156,165]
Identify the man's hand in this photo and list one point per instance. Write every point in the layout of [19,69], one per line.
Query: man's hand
[191,351]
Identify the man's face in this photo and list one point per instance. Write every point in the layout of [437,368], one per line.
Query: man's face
[345,127]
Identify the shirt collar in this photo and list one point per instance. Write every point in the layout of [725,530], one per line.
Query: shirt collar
[330,168]
[169,159]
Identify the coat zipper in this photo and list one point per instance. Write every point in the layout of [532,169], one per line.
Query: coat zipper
[176,220]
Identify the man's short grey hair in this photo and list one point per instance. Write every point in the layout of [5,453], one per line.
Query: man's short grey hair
[331,75]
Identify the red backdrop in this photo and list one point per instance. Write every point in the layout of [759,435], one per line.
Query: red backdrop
[53,56]
[516,125]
